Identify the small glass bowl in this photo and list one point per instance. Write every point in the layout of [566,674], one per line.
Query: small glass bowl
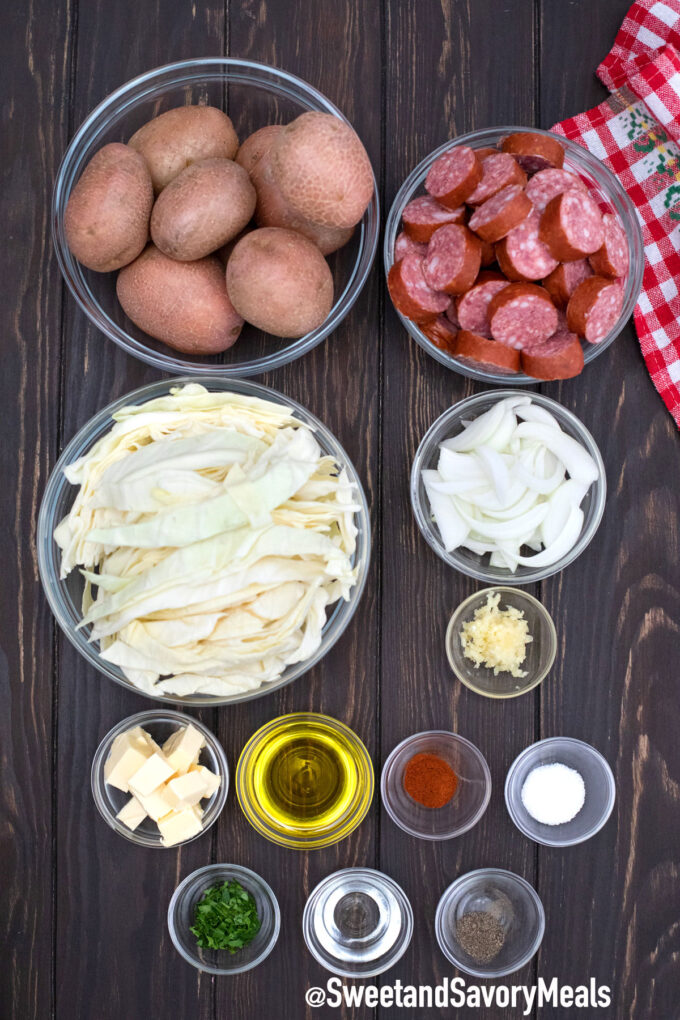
[64,594]
[160,725]
[514,903]
[450,423]
[599,783]
[376,943]
[304,836]
[540,652]
[604,188]
[219,961]
[256,95]
[468,803]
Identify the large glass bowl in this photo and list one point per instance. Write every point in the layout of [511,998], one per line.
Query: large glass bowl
[64,595]
[604,188]
[450,423]
[253,95]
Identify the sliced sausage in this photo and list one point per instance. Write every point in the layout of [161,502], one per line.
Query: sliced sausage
[441,332]
[544,185]
[454,176]
[501,213]
[594,308]
[411,293]
[559,357]
[453,258]
[423,215]
[488,253]
[534,151]
[452,315]
[472,308]
[499,170]
[522,255]
[522,314]
[486,151]
[571,226]
[564,280]
[612,258]
[404,245]
[486,354]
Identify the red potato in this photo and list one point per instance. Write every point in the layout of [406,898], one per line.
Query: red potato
[564,280]
[107,216]
[501,213]
[533,151]
[411,293]
[522,314]
[256,145]
[499,170]
[594,308]
[202,208]
[559,357]
[522,255]
[172,141]
[454,176]
[453,259]
[485,354]
[441,332]
[423,215]
[472,308]
[612,258]
[184,304]
[571,226]
[322,170]
[280,282]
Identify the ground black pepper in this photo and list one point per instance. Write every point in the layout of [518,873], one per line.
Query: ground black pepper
[481,935]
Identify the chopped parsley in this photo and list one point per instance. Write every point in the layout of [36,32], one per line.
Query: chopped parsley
[226,917]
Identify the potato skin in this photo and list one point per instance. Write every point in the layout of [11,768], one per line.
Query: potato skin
[255,145]
[280,282]
[205,206]
[184,304]
[107,215]
[179,137]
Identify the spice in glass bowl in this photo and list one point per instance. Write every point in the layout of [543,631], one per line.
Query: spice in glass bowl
[481,935]
[430,780]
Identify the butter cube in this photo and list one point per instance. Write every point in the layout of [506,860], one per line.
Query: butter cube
[155,770]
[210,780]
[132,813]
[158,803]
[188,789]
[183,747]
[125,759]
[179,826]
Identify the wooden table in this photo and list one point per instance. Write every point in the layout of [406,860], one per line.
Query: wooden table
[84,910]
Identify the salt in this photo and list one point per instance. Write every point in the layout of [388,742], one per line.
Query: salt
[553,794]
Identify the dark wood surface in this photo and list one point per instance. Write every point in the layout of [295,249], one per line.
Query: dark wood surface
[83,912]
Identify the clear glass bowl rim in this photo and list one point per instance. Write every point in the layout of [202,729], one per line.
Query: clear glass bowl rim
[235,870]
[150,716]
[341,613]
[542,611]
[587,749]
[493,575]
[580,157]
[149,85]
[469,878]
[407,931]
[389,763]
[260,823]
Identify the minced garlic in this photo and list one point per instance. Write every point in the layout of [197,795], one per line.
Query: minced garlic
[496,638]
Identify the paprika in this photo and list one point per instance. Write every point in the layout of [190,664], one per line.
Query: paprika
[430,780]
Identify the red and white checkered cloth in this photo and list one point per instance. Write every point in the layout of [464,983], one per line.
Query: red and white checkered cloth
[636,134]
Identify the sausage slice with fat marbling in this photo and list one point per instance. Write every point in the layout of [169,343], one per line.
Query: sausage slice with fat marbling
[594,308]
[454,176]
[571,226]
[411,293]
[522,314]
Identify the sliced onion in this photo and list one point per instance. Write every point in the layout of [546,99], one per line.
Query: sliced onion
[576,460]
[477,432]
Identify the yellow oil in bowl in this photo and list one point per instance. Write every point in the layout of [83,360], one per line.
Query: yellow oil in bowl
[304,780]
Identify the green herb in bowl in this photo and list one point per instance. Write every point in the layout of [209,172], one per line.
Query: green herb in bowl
[226,917]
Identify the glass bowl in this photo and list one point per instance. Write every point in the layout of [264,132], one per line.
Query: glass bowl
[219,961]
[282,735]
[511,900]
[603,186]
[540,652]
[64,595]
[468,803]
[160,725]
[599,783]
[254,95]
[450,423]
[357,922]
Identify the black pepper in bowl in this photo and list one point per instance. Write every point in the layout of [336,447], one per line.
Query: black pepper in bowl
[481,935]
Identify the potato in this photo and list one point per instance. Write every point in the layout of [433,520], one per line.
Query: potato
[280,282]
[107,216]
[256,145]
[323,170]
[272,210]
[184,304]
[179,137]
[205,206]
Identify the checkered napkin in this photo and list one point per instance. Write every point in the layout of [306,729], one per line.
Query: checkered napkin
[636,133]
